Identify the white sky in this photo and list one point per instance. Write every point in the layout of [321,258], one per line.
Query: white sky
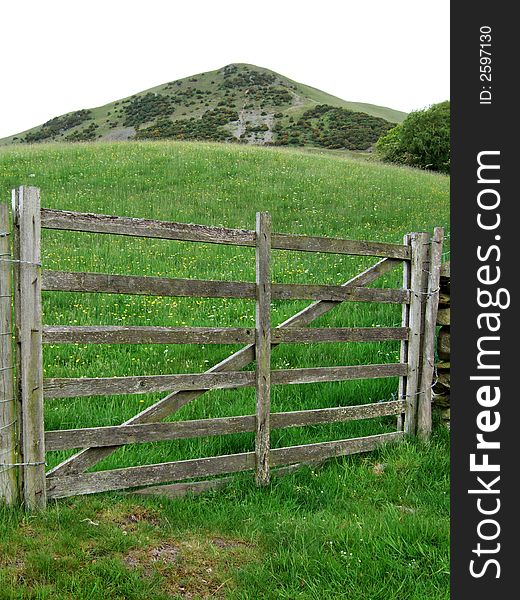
[63,55]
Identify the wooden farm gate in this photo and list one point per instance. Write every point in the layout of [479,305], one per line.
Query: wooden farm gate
[24,441]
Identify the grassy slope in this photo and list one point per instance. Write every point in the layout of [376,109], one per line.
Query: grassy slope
[309,96]
[308,536]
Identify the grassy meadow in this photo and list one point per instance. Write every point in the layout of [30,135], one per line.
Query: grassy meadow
[373,526]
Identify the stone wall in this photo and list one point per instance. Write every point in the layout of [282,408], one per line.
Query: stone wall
[441,389]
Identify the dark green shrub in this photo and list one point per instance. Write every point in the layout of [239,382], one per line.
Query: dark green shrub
[421,140]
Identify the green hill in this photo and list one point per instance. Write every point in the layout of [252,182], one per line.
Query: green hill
[237,103]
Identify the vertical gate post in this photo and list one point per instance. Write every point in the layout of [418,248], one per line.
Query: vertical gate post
[424,409]
[263,346]
[419,246]
[28,331]
[8,449]
[405,322]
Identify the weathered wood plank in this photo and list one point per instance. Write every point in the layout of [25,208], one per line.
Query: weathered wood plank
[162,286]
[238,360]
[296,291]
[405,319]
[145,384]
[118,479]
[305,243]
[147,335]
[324,450]
[424,409]
[324,374]
[57,219]
[127,226]
[145,285]
[308,335]
[214,335]
[8,450]
[419,242]
[263,347]
[180,490]
[67,439]
[28,330]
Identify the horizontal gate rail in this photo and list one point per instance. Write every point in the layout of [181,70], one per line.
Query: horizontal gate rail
[128,226]
[67,439]
[94,223]
[163,286]
[214,335]
[118,479]
[145,384]
[174,401]
[147,335]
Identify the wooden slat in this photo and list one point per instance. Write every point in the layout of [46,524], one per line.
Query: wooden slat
[238,360]
[8,449]
[424,409]
[147,335]
[263,347]
[118,479]
[101,334]
[75,221]
[419,243]
[296,291]
[146,384]
[305,243]
[162,286]
[66,439]
[110,386]
[326,374]
[57,219]
[28,329]
[309,335]
[180,490]
[145,285]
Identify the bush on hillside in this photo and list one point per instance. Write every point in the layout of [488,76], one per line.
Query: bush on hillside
[421,140]
[332,127]
[57,126]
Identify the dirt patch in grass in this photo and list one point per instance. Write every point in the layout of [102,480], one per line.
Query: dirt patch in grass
[199,567]
[129,519]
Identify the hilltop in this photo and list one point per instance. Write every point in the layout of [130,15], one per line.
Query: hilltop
[237,103]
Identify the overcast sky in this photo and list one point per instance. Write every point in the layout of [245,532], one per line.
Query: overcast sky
[63,55]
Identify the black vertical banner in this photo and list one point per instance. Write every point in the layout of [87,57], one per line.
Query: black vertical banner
[485,396]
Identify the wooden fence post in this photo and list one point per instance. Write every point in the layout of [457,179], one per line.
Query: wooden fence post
[424,409]
[419,243]
[405,322]
[263,346]
[8,449]
[28,331]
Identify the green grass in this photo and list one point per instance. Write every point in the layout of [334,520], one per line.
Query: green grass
[295,539]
